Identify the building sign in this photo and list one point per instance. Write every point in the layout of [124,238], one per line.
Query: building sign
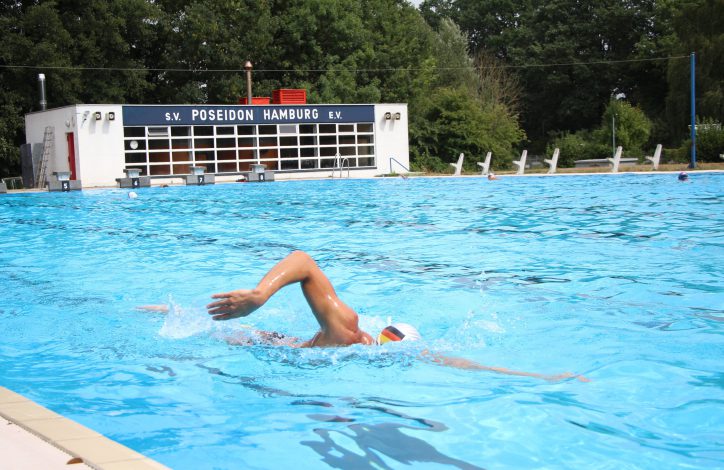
[215,115]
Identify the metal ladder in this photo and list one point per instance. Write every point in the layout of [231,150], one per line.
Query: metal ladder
[48,153]
[340,164]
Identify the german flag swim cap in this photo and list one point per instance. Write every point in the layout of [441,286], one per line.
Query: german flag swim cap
[398,332]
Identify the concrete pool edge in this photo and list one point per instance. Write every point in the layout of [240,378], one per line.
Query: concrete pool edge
[77,441]
[505,174]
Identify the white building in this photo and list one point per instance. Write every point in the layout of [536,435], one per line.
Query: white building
[96,143]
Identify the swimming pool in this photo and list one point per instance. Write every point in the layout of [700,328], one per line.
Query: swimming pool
[617,277]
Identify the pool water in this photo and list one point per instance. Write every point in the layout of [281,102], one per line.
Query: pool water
[616,277]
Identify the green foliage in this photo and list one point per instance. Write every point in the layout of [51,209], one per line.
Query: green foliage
[709,141]
[577,146]
[698,28]
[633,128]
[531,36]
[453,123]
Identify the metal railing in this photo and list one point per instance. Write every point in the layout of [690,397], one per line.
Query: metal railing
[340,165]
[393,159]
[14,182]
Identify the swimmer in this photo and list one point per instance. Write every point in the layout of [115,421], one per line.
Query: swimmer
[338,323]
[491,176]
[132,195]
[683,176]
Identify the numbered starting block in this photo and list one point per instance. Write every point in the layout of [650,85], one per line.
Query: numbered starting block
[133,179]
[259,174]
[198,177]
[62,182]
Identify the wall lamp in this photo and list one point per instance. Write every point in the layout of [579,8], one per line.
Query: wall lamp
[111,116]
[396,116]
[98,115]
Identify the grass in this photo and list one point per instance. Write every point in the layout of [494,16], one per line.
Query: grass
[664,167]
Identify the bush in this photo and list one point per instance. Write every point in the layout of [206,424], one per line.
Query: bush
[429,164]
[677,155]
[578,146]
[454,122]
[709,142]
[633,128]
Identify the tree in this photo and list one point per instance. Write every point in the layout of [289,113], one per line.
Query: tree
[586,39]
[697,25]
[633,128]
[465,107]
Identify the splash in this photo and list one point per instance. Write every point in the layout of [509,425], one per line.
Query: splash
[183,322]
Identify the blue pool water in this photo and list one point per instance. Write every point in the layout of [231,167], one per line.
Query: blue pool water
[617,277]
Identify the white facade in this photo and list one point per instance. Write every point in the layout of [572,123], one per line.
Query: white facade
[97,142]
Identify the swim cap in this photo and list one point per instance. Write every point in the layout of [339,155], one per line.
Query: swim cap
[398,332]
[683,176]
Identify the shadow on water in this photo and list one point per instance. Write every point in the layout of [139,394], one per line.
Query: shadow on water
[374,439]
[386,438]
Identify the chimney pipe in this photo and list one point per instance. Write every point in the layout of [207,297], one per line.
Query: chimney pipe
[41,86]
[248,67]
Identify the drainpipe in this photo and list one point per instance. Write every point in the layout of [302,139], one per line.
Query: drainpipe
[248,67]
[41,86]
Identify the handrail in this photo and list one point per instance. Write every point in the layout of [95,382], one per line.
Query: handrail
[340,165]
[393,159]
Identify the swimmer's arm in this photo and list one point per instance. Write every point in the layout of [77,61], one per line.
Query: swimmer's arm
[240,303]
[461,363]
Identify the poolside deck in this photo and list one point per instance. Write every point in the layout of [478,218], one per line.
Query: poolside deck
[33,437]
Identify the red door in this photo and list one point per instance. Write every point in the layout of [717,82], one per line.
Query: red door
[71,154]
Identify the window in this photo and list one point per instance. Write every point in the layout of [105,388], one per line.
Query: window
[225,143]
[203,130]
[134,132]
[158,131]
[328,140]
[172,150]
[180,131]
[158,144]
[288,141]
[289,153]
[134,144]
[346,140]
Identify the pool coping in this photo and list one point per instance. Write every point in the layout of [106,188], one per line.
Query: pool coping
[77,441]
[504,174]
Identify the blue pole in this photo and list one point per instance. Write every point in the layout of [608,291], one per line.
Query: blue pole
[693,110]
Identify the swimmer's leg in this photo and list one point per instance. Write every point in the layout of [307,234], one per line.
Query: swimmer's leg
[153,308]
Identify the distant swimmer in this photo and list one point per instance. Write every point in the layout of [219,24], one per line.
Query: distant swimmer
[683,176]
[491,176]
[338,323]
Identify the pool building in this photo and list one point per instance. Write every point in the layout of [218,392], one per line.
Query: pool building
[96,144]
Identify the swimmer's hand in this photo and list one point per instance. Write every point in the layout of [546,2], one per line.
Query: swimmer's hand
[235,304]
